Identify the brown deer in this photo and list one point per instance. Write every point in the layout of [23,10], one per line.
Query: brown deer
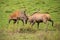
[18,15]
[38,17]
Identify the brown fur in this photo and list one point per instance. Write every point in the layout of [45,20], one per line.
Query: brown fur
[18,15]
[39,17]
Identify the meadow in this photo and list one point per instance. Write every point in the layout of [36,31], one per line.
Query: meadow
[18,31]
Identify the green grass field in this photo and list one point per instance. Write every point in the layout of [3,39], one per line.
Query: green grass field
[20,32]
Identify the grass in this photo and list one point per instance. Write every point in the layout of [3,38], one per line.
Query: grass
[39,35]
[20,32]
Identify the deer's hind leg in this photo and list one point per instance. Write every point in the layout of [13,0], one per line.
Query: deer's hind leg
[51,21]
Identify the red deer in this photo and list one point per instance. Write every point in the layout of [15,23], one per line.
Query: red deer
[39,17]
[18,15]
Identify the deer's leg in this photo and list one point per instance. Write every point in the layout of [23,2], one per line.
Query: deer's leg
[15,20]
[23,22]
[32,23]
[51,21]
[18,18]
[10,20]
[38,24]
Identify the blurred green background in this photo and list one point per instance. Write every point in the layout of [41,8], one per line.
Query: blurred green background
[20,32]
